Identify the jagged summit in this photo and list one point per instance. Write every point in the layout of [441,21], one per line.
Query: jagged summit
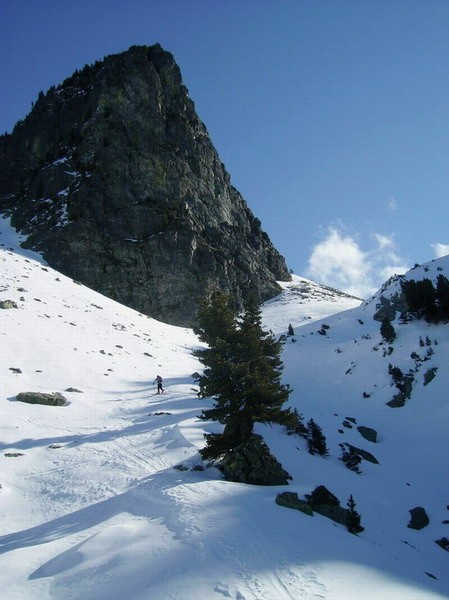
[114,180]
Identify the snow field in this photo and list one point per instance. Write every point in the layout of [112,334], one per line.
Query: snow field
[103,515]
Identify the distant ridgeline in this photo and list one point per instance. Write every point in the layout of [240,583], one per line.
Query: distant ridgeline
[113,178]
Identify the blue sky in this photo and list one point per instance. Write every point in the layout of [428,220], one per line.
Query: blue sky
[332,117]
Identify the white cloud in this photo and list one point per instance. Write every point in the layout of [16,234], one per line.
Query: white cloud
[440,249]
[339,261]
[384,241]
[392,203]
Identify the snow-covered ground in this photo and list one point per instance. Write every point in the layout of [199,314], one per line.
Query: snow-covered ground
[92,507]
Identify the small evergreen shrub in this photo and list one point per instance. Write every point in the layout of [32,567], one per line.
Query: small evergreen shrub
[296,426]
[353,518]
[316,440]
[396,374]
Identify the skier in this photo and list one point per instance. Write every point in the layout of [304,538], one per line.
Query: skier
[158,380]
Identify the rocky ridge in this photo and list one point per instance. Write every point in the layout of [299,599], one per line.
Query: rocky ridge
[114,180]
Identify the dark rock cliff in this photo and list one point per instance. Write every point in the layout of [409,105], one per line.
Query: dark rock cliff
[113,178]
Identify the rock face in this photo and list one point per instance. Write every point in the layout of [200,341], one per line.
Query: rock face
[113,178]
[252,462]
[387,308]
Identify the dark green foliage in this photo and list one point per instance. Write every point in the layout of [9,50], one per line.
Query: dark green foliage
[387,330]
[421,298]
[353,518]
[396,373]
[242,373]
[297,424]
[442,297]
[316,440]
[290,330]
[402,382]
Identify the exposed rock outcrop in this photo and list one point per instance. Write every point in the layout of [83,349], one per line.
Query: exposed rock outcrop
[114,179]
[387,308]
[252,462]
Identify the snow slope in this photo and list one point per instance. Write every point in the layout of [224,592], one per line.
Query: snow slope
[92,507]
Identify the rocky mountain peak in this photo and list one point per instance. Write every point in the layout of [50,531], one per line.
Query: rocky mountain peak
[114,179]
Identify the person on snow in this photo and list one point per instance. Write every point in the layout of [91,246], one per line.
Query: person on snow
[158,380]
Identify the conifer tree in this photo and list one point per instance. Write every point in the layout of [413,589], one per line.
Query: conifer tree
[442,296]
[421,298]
[353,518]
[217,327]
[290,330]
[428,295]
[316,441]
[242,373]
[297,424]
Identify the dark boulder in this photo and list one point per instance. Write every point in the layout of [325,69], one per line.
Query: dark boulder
[429,375]
[252,462]
[363,454]
[291,500]
[325,503]
[443,543]
[6,304]
[55,399]
[398,400]
[418,518]
[368,433]
[321,495]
